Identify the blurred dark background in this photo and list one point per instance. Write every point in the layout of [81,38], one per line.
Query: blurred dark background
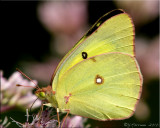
[30,42]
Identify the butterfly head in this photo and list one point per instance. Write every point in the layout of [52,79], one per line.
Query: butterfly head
[42,93]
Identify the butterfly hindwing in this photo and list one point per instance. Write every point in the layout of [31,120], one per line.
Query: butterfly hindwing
[102,87]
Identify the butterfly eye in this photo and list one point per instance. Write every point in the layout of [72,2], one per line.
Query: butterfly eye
[41,95]
[84,55]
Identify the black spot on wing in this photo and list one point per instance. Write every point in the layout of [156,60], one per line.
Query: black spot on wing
[84,55]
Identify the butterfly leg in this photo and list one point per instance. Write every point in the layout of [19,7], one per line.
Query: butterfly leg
[65,118]
[58,117]
[41,110]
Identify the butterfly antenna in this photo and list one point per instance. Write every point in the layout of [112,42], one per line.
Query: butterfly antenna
[27,78]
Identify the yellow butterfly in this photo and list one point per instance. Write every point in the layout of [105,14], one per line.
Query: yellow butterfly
[99,77]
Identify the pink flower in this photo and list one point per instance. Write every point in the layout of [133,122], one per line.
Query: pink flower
[43,119]
[63,16]
[12,96]
[75,122]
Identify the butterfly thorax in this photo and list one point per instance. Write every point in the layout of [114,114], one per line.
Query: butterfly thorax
[47,95]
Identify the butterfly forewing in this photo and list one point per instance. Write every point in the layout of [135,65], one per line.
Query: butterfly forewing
[116,34]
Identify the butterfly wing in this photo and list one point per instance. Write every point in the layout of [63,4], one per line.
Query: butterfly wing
[102,87]
[113,32]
